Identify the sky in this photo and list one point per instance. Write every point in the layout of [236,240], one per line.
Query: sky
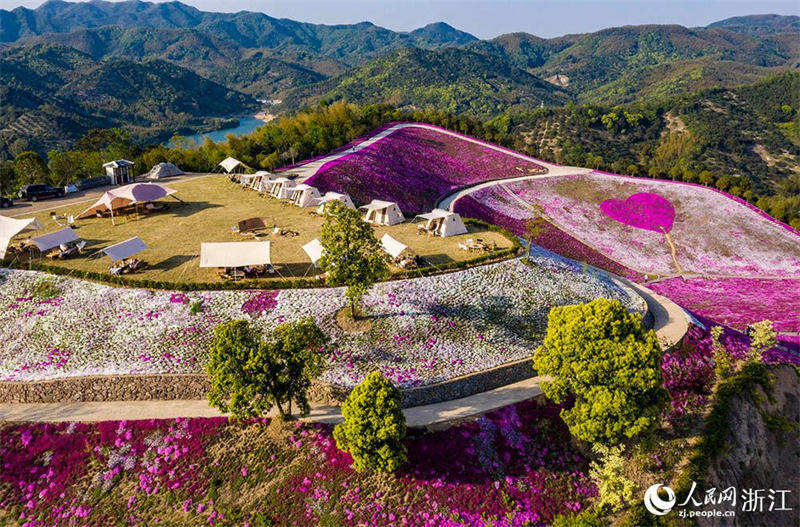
[489,18]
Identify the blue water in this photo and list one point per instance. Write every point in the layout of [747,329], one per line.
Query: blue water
[246,125]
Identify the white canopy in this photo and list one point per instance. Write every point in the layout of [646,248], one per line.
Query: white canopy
[120,251]
[230,164]
[314,250]
[234,254]
[127,195]
[54,239]
[10,227]
[392,246]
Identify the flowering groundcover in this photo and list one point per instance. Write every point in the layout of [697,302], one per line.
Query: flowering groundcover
[415,167]
[424,330]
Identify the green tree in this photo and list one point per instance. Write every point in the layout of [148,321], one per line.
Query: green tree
[600,355]
[723,364]
[533,227]
[250,375]
[374,425]
[614,489]
[29,167]
[353,256]
[762,337]
[7,178]
[62,167]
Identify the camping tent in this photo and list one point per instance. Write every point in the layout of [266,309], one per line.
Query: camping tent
[392,246]
[230,165]
[234,254]
[127,195]
[443,223]
[163,170]
[54,239]
[282,188]
[314,250]
[120,251]
[262,181]
[334,196]
[382,213]
[10,227]
[305,195]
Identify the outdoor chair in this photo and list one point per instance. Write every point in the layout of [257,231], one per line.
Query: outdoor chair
[463,247]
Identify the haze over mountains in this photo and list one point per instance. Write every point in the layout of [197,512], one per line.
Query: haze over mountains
[162,67]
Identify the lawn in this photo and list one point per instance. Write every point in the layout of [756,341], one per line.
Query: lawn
[209,209]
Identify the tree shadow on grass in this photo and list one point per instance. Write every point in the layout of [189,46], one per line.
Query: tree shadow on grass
[188,208]
[172,262]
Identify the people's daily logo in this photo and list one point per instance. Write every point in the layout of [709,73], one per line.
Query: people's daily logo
[655,504]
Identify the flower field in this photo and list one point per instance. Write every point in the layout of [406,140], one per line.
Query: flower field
[415,167]
[423,330]
[738,302]
[512,467]
[637,222]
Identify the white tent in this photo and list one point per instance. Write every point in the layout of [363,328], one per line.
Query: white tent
[382,212]
[127,195]
[443,223]
[305,195]
[162,170]
[314,250]
[10,227]
[263,181]
[281,188]
[234,254]
[120,251]
[392,246]
[230,165]
[334,196]
[54,239]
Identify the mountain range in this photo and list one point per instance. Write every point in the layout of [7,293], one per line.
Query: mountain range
[178,66]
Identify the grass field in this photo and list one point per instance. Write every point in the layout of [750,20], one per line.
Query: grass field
[210,207]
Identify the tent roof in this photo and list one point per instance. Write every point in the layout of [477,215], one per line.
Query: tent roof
[164,169]
[281,180]
[128,194]
[330,196]
[314,250]
[263,173]
[234,254]
[378,204]
[392,246]
[303,186]
[230,163]
[119,163]
[122,250]
[436,213]
[54,239]
[10,227]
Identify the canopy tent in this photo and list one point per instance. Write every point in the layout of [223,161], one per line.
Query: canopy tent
[234,254]
[305,195]
[55,239]
[334,196]
[127,195]
[382,212]
[122,250]
[162,170]
[314,250]
[282,188]
[443,223]
[10,227]
[230,165]
[392,246]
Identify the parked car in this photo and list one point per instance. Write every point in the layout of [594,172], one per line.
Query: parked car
[37,192]
[6,202]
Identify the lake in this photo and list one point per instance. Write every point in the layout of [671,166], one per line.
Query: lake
[246,125]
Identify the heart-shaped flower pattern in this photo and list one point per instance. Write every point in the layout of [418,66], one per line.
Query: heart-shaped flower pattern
[644,210]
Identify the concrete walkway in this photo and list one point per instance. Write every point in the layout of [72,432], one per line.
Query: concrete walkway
[432,416]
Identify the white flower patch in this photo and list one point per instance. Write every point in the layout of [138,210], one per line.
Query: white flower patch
[423,330]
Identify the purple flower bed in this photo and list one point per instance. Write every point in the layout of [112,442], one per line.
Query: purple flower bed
[514,466]
[416,167]
[738,302]
[644,210]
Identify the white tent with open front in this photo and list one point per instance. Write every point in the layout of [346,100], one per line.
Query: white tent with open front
[334,196]
[443,223]
[162,170]
[234,254]
[122,250]
[282,188]
[382,212]
[10,227]
[305,195]
[55,239]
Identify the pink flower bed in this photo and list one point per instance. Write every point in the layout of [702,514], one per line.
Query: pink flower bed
[416,167]
[738,302]
[514,467]
[713,235]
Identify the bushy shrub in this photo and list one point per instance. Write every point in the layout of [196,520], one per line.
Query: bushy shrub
[723,364]
[600,355]
[374,425]
[614,490]
[762,337]
[587,518]
[250,375]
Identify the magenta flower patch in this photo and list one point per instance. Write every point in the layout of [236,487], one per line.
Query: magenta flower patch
[644,210]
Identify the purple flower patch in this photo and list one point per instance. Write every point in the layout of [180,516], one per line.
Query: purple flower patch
[644,210]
